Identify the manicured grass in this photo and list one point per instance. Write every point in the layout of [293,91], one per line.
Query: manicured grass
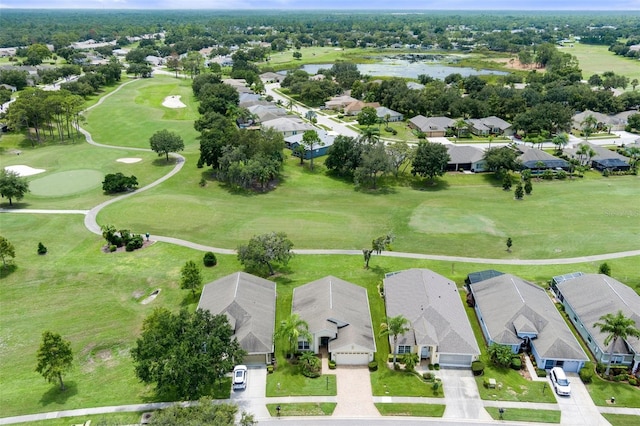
[302,409]
[621,419]
[596,59]
[526,415]
[98,419]
[293,383]
[601,392]
[412,410]
[388,382]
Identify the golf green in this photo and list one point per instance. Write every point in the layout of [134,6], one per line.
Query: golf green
[66,183]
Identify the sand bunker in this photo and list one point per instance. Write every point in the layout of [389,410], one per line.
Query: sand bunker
[128,160]
[23,170]
[173,102]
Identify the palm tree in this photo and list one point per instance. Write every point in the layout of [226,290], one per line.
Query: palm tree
[560,141]
[310,139]
[589,126]
[370,135]
[394,326]
[618,327]
[310,115]
[292,330]
[460,124]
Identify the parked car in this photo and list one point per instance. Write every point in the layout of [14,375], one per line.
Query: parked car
[239,377]
[560,381]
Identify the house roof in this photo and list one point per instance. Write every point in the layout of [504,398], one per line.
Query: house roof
[337,305]
[531,156]
[510,305]
[412,85]
[593,295]
[358,105]
[427,124]
[288,124]
[340,101]
[267,112]
[433,305]
[326,139]
[488,123]
[383,111]
[460,154]
[579,118]
[249,302]
[602,153]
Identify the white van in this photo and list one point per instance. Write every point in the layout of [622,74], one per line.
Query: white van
[560,381]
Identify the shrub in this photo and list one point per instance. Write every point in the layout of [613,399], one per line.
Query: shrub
[332,365]
[606,173]
[269,369]
[310,366]
[431,367]
[600,367]
[427,376]
[633,381]
[619,377]
[547,175]
[390,358]
[117,182]
[586,373]
[541,373]
[42,249]
[516,363]
[113,248]
[134,243]
[604,269]
[209,259]
[373,365]
[436,366]
[561,174]
[477,367]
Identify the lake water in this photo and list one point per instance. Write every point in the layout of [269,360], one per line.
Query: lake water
[405,68]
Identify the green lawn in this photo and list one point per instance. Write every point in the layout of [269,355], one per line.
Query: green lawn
[526,415]
[411,410]
[302,409]
[601,392]
[98,419]
[596,59]
[293,383]
[621,419]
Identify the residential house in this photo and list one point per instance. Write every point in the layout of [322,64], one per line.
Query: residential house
[267,112]
[240,84]
[271,77]
[249,302]
[245,98]
[339,102]
[288,125]
[489,126]
[383,112]
[603,159]
[588,297]
[464,157]
[537,160]
[432,126]
[603,121]
[320,149]
[412,85]
[339,320]
[440,329]
[354,108]
[519,314]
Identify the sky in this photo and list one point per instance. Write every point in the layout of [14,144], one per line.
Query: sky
[327,4]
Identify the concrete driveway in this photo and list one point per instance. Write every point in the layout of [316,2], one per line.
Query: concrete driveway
[461,395]
[252,399]
[578,409]
[354,392]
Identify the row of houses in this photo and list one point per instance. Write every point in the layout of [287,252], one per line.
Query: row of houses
[510,310]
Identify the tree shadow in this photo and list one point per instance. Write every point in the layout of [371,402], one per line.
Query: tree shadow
[191,299]
[59,397]
[17,205]
[379,270]
[429,185]
[491,179]
[162,162]
[7,270]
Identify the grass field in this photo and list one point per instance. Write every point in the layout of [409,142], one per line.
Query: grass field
[412,410]
[302,409]
[596,59]
[526,415]
[621,419]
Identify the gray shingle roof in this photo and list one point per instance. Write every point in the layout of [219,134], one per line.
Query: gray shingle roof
[531,156]
[426,124]
[593,295]
[288,124]
[433,305]
[249,302]
[335,304]
[459,154]
[508,303]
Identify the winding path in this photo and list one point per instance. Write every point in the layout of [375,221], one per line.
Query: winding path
[91,223]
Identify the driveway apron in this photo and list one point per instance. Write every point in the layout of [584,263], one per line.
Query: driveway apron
[354,393]
[252,399]
[461,395]
[579,409]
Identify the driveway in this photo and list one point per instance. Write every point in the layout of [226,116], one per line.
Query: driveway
[578,409]
[461,395]
[354,392]
[252,399]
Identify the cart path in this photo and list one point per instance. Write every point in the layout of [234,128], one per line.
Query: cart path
[90,222]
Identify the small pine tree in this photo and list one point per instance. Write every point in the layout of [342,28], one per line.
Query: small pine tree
[210,259]
[509,243]
[528,187]
[506,182]
[42,249]
[519,191]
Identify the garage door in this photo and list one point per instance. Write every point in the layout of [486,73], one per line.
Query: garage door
[455,360]
[254,359]
[351,358]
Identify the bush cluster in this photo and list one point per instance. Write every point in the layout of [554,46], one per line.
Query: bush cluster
[516,363]
[541,373]
[373,365]
[586,373]
[210,259]
[121,238]
[477,367]
[42,249]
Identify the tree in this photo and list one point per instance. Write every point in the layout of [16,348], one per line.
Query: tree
[509,244]
[190,277]
[117,182]
[528,187]
[400,154]
[500,160]
[297,55]
[370,135]
[367,116]
[345,155]
[205,412]
[163,142]
[500,354]
[265,250]
[310,364]
[292,330]
[375,162]
[560,141]
[185,354]
[394,326]
[430,160]
[12,186]
[616,326]
[604,269]
[589,126]
[310,138]
[377,246]
[55,357]
[6,250]
[519,191]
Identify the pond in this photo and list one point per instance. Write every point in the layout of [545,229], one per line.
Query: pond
[408,67]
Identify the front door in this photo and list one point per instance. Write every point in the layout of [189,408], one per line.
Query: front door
[424,352]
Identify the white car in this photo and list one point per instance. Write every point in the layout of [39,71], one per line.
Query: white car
[560,382]
[239,377]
